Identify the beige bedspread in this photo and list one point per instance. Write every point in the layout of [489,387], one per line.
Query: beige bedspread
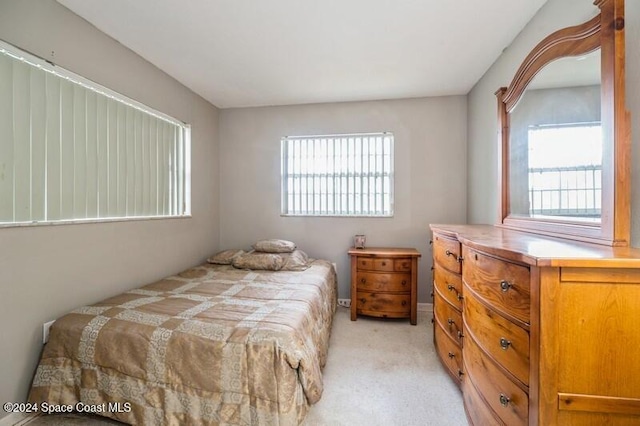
[212,345]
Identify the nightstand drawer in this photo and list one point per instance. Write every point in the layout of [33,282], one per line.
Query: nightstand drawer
[375,281]
[402,265]
[379,304]
[375,264]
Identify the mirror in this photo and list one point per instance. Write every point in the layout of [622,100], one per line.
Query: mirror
[555,130]
[564,135]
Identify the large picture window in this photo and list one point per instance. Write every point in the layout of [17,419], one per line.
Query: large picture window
[338,175]
[71,150]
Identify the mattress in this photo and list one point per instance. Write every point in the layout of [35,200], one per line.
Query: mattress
[211,345]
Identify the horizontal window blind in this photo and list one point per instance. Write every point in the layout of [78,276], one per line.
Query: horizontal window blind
[338,175]
[73,150]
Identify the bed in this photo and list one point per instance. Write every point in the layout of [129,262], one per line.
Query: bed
[211,345]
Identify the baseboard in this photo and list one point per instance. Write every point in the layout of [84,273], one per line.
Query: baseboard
[425,307]
[18,419]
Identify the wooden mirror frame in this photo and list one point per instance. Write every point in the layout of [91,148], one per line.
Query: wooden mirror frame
[605,31]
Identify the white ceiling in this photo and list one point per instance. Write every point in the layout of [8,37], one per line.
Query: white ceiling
[238,53]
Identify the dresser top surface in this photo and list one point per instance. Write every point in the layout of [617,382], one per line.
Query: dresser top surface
[384,252]
[540,250]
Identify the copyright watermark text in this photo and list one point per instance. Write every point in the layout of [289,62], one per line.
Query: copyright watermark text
[79,407]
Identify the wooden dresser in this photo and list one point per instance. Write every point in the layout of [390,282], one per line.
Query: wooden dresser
[550,329]
[384,282]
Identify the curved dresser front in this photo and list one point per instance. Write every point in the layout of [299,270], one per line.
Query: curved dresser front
[537,330]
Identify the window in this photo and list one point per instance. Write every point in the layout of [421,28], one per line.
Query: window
[568,183]
[338,175]
[71,150]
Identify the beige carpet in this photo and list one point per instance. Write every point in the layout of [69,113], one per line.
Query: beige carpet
[379,372]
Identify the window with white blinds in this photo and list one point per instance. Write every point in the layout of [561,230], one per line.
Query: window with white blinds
[71,150]
[338,175]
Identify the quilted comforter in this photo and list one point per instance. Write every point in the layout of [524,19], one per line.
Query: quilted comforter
[212,345]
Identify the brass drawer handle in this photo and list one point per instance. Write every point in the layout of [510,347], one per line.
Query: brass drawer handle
[460,297]
[455,256]
[460,374]
[450,287]
[505,285]
[504,343]
[451,355]
[460,335]
[504,401]
[450,321]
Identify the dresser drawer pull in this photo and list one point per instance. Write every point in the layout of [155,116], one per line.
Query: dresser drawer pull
[460,335]
[460,373]
[450,321]
[404,282]
[384,263]
[505,285]
[363,300]
[363,280]
[404,303]
[451,355]
[450,287]
[504,400]
[450,253]
[504,343]
[460,297]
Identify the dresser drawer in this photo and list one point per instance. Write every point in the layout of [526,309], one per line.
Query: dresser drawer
[507,400]
[375,264]
[449,352]
[383,304]
[448,318]
[446,252]
[507,343]
[449,285]
[376,281]
[504,285]
[479,414]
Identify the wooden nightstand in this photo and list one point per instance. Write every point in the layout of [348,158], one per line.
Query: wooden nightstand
[384,282]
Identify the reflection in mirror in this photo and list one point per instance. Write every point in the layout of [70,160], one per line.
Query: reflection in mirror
[555,131]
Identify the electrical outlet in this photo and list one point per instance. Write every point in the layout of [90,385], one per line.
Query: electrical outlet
[346,303]
[45,331]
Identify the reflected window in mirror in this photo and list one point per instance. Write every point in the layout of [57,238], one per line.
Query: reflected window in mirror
[568,182]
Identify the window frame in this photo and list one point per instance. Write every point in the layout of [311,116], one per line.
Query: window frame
[183,129]
[284,193]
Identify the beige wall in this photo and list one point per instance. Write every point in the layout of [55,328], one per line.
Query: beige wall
[430,176]
[482,124]
[49,270]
